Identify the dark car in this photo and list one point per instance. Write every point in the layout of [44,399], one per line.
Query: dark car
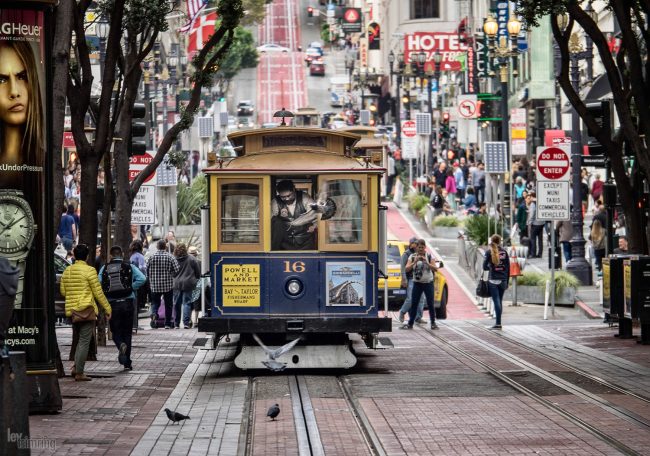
[60,265]
[317,68]
[245,108]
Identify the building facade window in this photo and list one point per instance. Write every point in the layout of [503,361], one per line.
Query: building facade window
[422,9]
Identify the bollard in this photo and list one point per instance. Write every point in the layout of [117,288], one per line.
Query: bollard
[14,419]
[546,296]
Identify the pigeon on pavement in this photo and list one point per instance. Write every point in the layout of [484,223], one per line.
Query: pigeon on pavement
[272,355]
[175,417]
[273,412]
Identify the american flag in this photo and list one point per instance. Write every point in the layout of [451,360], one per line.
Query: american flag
[194,7]
[201,31]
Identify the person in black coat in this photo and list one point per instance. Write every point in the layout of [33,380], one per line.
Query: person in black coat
[497,262]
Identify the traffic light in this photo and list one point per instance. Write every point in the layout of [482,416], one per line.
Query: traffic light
[310,11]
[444,126]
[137,140]
[600,110]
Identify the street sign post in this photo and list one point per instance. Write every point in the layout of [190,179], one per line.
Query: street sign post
[467,107]
[409,144]
[409,140]
[137,163]
[143,211]
[553,164]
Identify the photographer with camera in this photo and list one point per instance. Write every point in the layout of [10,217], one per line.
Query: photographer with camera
[424,268]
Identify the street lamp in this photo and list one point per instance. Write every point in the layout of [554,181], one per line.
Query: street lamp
[501,53]
[102,29]
[397,71]
[437,59]
[577,265]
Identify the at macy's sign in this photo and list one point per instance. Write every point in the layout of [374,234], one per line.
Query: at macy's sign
[447,44]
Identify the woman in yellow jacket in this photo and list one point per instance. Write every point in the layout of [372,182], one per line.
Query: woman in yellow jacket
[81,288]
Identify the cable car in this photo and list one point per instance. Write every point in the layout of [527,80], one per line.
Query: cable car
[296,235]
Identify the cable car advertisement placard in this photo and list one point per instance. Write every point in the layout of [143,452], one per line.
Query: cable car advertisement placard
[241,285]
[346,283]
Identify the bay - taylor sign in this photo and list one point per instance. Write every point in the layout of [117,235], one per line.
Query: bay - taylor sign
[553,164]
[448,44]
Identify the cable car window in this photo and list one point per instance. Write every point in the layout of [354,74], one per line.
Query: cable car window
[240,218]
[347,228]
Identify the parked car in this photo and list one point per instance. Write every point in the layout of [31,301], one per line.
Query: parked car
[245,108]
[270,125]
[60,265]
[317,68]
[312,54]
[396,294]
[271,47]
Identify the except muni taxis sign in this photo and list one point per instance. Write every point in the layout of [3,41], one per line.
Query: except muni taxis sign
[241,285]
[553,183]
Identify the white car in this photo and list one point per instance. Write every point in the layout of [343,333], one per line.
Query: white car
[270,47]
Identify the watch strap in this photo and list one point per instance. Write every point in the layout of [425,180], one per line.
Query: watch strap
[20,264]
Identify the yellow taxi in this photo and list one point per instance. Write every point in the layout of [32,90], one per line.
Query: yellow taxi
[397,294]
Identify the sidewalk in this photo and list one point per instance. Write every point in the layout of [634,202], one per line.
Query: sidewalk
[588,298]
[111,413]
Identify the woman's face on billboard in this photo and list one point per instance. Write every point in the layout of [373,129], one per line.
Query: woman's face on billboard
[14,93]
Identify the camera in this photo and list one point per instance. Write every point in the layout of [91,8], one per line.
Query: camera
[419,269]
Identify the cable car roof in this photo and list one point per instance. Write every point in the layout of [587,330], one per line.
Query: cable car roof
[294,162]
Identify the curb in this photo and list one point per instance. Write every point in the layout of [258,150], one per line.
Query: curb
[588,311]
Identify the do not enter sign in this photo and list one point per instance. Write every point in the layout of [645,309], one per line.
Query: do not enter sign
[552,164]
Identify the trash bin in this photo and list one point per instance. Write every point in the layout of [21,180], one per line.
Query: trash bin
[613,290]
[636,279]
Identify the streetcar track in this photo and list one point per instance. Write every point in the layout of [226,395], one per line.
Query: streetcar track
[563,364]
[613,442]
[309,442]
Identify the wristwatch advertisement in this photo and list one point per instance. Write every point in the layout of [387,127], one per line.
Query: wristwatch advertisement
[17,231]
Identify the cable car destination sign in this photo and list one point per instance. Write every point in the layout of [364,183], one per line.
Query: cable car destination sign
[553,183]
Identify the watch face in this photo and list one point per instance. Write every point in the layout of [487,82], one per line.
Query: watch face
[16,225]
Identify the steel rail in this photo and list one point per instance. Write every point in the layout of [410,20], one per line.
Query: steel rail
[363,423]
[562,363]
[617,444]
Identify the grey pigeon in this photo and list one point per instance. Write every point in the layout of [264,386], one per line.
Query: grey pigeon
[175,417]
[272,355]
[273,412]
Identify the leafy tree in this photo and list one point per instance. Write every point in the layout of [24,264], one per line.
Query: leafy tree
[628,73]
[134,28]
[255,11]
[242,54]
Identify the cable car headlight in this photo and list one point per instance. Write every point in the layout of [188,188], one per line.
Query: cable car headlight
[294,287]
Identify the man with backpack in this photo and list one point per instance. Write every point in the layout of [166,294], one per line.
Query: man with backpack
[119,280]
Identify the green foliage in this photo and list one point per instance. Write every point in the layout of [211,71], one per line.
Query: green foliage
[190,199]
[476,228]
[242,54]
[255,11]
[530,278]
[325,33]
[417,202]
[448,221]
[176,158]
[563,280]
[533,10]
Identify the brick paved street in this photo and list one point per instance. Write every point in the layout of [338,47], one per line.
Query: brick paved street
[420,397]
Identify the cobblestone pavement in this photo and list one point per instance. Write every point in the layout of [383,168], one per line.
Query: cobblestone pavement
[109,414]
[420,397]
